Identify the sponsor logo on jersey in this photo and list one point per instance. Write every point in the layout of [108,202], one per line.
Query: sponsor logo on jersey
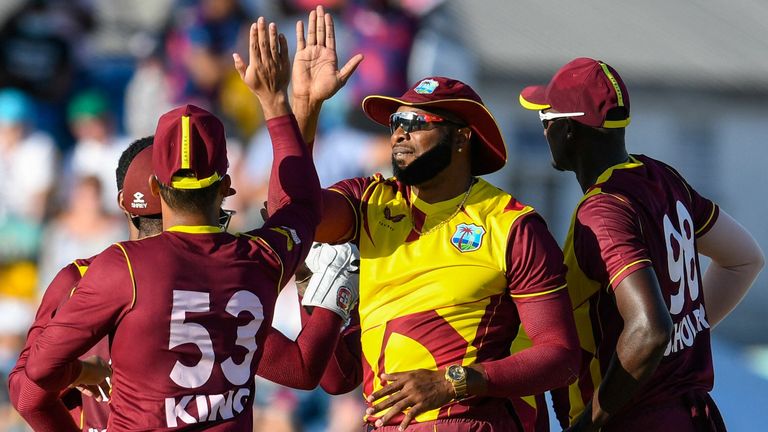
[427,86]
[290,235]
[467,237]
[390,217]
[138,201]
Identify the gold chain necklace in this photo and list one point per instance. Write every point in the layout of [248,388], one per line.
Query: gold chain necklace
[445,221]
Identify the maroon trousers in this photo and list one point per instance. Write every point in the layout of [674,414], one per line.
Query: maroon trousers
[693,412]
[502,424]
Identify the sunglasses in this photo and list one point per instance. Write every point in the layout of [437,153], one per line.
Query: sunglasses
[412,122]
[549,116]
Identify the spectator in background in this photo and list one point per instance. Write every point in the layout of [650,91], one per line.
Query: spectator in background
[28,164]
[43,43]
[198,43]
[81,230]
[24,151]
[97,147]
[15,318]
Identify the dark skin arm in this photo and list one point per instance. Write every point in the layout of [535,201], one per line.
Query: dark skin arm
[640,348]
[337,220]
[335,208]
[419,391]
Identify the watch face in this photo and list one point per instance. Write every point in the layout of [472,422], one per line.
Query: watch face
[456,372]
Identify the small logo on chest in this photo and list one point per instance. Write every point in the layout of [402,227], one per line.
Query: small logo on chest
[394,218]
[468,237]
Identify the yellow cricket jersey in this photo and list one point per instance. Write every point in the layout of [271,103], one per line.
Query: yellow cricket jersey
[438,280]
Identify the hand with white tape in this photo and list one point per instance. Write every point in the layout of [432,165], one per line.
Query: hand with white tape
[335,278]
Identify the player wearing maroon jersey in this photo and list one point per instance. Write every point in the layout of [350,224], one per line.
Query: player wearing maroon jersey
[450,266]
[188,311]
[47,411]
[642,306]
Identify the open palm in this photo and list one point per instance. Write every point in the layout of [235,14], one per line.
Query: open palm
[316,76]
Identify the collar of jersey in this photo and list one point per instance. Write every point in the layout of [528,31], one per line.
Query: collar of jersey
[196,229]
[431,208]
[631,163]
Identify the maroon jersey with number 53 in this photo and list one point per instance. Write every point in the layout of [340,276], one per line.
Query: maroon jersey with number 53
[193,306]
[187,311]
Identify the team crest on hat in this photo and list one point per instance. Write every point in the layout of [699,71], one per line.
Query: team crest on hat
[426,86]
[468,237]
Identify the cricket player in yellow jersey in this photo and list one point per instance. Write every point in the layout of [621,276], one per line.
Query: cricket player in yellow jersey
[451,266]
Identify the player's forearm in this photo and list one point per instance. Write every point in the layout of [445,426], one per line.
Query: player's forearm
[41,409]
[293,179]
[307,116]
[300,364]
[736,261]
[344,372]
[551,362]
[725,287]
[639,351]
[275,105]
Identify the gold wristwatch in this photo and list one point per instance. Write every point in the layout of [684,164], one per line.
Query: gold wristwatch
[457,376]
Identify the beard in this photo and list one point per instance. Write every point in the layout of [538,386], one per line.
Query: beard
[426,166]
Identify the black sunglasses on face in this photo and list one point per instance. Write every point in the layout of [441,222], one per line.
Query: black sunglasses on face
[411,121]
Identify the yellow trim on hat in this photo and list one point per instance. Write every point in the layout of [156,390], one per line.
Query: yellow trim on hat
[532,106]
[181,182]
[185,142]
[612,79]
[615,124]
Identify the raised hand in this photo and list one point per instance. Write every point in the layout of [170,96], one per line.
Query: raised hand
[316,75]
[268,71]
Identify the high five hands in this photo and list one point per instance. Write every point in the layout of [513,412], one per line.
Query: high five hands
[268,71]
[316,76]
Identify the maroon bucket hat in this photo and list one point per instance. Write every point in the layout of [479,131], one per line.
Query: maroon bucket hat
[190,148]
[589,89]
[457,98]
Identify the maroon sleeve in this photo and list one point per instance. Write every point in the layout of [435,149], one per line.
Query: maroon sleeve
[345,368]
[42,410]
[103,295]
[553,359]
[293,199]
[300,364]
[57,292]
[608,239]
[537,284]
[534,260]
[352,190]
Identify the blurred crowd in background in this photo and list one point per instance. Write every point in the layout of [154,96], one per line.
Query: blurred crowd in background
[80,79]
